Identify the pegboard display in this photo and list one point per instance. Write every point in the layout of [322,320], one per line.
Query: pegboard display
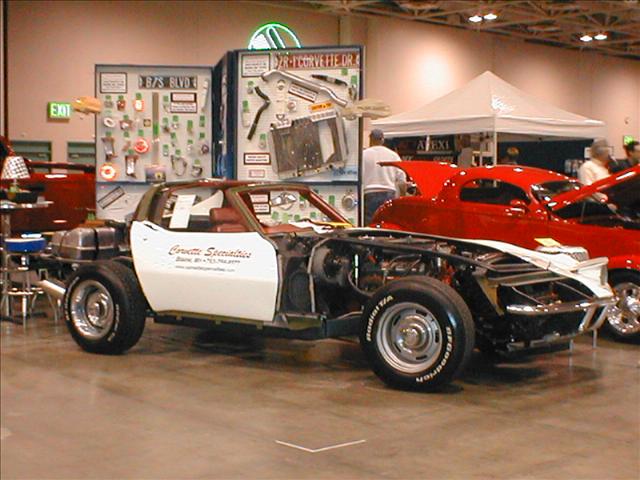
[155,126]
[289,119]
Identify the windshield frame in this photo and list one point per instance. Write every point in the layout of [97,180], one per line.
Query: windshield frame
[235,197]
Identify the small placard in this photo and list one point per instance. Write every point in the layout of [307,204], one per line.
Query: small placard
[189,97]
[257,173]
[255,65]
[303,92]
[261,208]
[182,211]
[183,107]
[257,159]
[113,82]
[260,198]
[318,107]
[173,82]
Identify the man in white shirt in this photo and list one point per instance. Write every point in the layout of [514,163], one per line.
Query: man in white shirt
[597,167]
[380,183]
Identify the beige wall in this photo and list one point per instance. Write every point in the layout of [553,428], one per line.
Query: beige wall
[53,47]
[410,64]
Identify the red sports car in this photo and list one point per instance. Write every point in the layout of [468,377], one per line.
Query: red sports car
[532,208]
[71,188]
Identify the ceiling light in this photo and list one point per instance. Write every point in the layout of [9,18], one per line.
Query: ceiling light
[490,16]
[586,38]
[601,36]
[475,19]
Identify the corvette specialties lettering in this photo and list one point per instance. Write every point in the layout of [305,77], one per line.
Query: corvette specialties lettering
[210,259]
[208,252]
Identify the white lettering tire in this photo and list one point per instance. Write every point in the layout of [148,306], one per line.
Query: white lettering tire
[104,307]
[417,333]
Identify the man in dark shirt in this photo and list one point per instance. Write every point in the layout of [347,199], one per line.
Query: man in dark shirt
[632,150]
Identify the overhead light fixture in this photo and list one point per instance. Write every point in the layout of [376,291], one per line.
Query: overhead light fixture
[475,19]
[601,36]
[490,16]
[586,38]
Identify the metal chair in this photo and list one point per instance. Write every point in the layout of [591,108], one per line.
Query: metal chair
[19,252]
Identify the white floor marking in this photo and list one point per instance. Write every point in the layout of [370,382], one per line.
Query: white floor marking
[318,450]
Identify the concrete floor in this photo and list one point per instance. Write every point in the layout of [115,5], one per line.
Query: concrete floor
[184,404]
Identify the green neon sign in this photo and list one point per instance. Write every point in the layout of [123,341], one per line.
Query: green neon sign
[59,110]
[273,36]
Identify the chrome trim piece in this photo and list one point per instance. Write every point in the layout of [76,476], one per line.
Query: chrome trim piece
[557,308]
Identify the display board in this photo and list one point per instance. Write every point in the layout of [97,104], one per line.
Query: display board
[283,118]
[155,126]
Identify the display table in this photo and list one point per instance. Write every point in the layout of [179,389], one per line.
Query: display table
[7,208]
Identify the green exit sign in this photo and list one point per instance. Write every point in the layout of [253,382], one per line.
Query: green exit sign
[59,110]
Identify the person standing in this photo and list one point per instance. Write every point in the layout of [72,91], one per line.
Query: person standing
[511,157]
[597,167]
[380,183]
[632,151]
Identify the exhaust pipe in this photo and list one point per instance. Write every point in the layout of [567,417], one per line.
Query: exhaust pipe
[55,290]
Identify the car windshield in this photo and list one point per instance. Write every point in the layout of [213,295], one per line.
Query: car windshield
[545,192]
[291,209]
[590,209]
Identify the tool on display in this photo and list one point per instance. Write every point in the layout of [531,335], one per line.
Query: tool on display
[108,172]
[246,114]
[266,76]
[141,145]
[109,122]
[262,143]
[204,146]
[329,79]
[178,164]
[126,123]
[196,168]
[266,102]
[111,197]
[349,200]
[130,164]
[175,123]
[108,103]
[121,104]
[207,95]
[108,143]
[138,103]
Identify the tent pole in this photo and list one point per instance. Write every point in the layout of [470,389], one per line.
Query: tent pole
[495,147]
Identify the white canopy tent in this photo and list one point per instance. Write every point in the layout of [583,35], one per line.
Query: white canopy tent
[489,104]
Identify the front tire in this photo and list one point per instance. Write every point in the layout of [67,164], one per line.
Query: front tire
[104,308]
[417,333]
[623,320]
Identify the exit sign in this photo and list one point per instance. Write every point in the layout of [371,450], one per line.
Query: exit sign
[59,110]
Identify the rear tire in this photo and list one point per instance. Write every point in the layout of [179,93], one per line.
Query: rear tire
[417,333]
[104,308]
[623,320]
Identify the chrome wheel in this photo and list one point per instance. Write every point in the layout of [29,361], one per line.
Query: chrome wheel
[409,337]
[91,309]
[624,317]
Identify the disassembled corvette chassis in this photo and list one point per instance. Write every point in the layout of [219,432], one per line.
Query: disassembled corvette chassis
[329,279]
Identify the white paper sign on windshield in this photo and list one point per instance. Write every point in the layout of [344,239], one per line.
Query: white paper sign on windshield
[182,211]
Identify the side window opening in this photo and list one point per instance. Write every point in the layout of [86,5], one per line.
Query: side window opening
[199,209]
[493,192]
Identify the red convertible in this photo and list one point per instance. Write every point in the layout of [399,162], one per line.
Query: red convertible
[531,207]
